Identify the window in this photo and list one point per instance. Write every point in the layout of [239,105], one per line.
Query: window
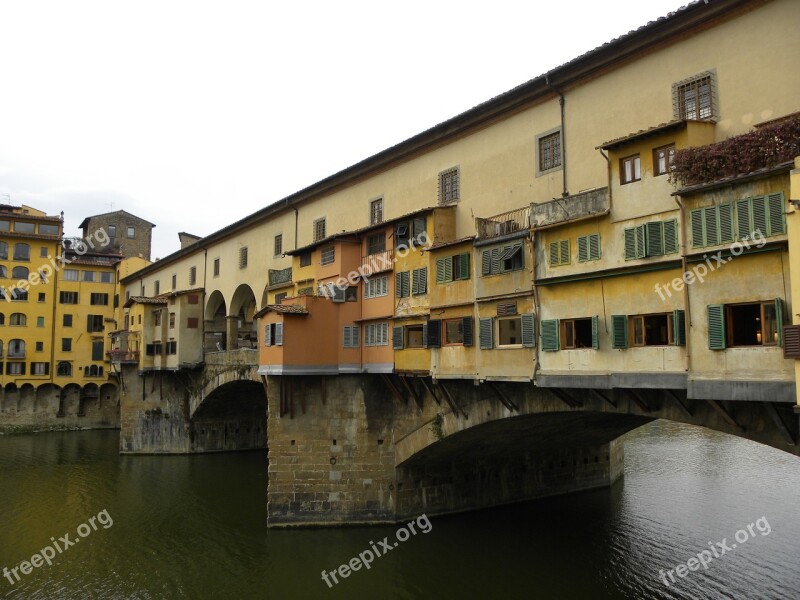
[3,272]
[67,321]
[630,169]
[760,215]
[711,225]
[550,151]
[406,231]
[305,259]
[654,238]
[741,325]
[131,233]
[18,294]
[18,319]
[156,318]
[693,98]
[40,368]
[94,323]
[97,350]
[43,253]
[64,369]
[89,276]
[589,247]
[39,346]
[449,186]
[579,333]
[192,323]
[419,281]
[660,329]
[413,336]
[112,231]
[350,336]
[663,159]
[40,321]
[174,282]
[243,257]
[351,294]
[559,253]
[502,260]
[99,299]
[4,225]
[66,344]
[172,320]
[273,334]
[216,267]
[16,348]
[452,268]
[376,334]
[156,288]
[21,227]
[402,284]
[22,252]
[70,275]
[328,255]
[651,330]
[19,273]
[172,347]
[15,368]
[319,229]
[45,229]
[283,295]
[458,332]
[42,296]
[192,275]
[154,349]
[4,250]
[278,245]
[376,211]
[376,243]
[376,286]
[2,319]
[106,277]
[68,297]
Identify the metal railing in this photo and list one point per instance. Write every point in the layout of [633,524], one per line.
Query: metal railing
[504,223]
[378,262]
[122,356]
[277,276]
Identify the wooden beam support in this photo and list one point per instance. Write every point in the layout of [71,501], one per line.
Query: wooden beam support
[715,404]
[431,390]
[681,406]
[638,400]
[411,390]
[782,428]
[387,379]
[507,402]
[564,397]
[451,401]
[603,397]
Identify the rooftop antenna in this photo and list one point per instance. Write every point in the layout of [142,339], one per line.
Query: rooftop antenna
[111,206]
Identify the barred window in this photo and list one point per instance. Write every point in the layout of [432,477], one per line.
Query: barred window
[319,229]
[278,245]
[449,186]
[376,211]
[243,257]
[550,151]
[192,275]
[693,98]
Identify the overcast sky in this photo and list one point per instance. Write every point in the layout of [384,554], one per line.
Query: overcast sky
[194,114]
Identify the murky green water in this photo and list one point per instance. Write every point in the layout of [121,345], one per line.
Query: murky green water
[194,527]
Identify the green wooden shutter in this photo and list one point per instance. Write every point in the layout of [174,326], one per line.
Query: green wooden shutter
[405,277]
[594,246]
[463,265]
[549,335]
[486,334]
[279,334]
[398,285]
[432,333]
[397,338]
[630,243]
[496,260]
[267,335]
[595,332]
[725,223]
[655,238]
[423,280]
[553,253]
[583,248]
[711,222]
[468,329]
[415,281]
[779,319]
[679,327]
[528,327]
[441,274]
[716,326]
[619,331]
[760,222]
[564,252]
[486,262]
[743,220]
[696,218]
[641,237]
[418,227]
[670,236]
[777,222]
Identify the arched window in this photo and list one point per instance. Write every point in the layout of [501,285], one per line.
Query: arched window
[16,348]
[2,319]
[19,272]
[64,369]
[1,348]
[17,319]
[22,251]
[3,270]
[4,250]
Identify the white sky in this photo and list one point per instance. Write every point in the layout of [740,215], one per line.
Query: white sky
[194,114]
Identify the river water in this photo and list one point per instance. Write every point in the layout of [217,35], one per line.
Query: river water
[173,527]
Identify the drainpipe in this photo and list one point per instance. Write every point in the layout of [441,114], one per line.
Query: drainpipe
[561,102]
[295,226]
[679,200]
[203,331]
[608,168]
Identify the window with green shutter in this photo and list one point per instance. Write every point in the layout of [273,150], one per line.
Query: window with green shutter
[432,334]
[653,238]
[528,330]
[679,327]
[452,268]
[716,326]
[549,335]
[711,225]
[589,247]
[419,281]
[397,338]
[619,331]
[486,334]
[402,284]
[762,214]
[559,253]
[502,260]
[578,333]
[746,325]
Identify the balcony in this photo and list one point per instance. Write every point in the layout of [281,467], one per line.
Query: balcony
[503,224]
[280,276]
[572,208]
[377,262]
[15,354]
[123,356]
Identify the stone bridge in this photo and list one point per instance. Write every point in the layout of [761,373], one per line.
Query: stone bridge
[375,449]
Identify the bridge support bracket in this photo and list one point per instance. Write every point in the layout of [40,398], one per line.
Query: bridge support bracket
[681,406]
[507,402]
[781,425]
[726,416]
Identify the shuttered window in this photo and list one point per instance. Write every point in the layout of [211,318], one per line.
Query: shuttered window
[746,324]
[351,336]
[679,327]
[419,281]
[578,333]
[619,331]
[716,326]
[376,287]
[376,334]
[559,253]
[402,284]
[452,268]
[528,330]
[712,225]
[654,238]
[760,216]
[589,247]
[486,334]
[397,338]
[432,334]
[549,335]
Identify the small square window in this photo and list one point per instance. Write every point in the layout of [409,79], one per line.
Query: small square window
[131,232]
[66,344]
[216,267]
[693,98]
[43,252]
[328,255]
[414,336]
[630,169]
[39,346]
[454,332]
[42,296]
[112,231]
[305,259]
[509,331]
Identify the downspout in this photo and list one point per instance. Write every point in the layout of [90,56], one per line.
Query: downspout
[562,103]
[203,331]
[295,226]
[679,200]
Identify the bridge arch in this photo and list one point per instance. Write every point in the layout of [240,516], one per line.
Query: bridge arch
[242,328]
[231,415]
[216,313]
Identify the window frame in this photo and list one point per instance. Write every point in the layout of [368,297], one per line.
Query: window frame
[669,159]
[277,245]
[376,211]
[445,333]
[319,229]
[549,156]
[694,84]
[130,232]
[634,159]
[243,257]
[449,186]
[327,255]
[632,320]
